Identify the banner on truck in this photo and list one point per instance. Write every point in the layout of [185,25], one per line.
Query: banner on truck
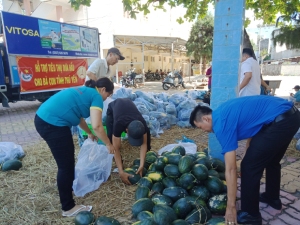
[45,73]
[26,35]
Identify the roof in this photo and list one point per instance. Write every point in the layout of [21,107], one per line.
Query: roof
[161,44]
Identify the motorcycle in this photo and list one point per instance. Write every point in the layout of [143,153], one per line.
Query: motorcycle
[157,75]
[149,75]
[138,78]
[169,81]
[128,81]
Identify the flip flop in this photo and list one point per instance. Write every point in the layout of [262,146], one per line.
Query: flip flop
[77,211]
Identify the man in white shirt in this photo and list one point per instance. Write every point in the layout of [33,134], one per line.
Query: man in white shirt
[250,80]
[100,67]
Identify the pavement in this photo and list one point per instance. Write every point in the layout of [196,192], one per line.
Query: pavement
[16,125]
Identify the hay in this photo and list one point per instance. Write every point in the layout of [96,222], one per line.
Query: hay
[292,151]
[30,196]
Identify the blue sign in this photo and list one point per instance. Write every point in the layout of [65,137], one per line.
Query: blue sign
[27,35]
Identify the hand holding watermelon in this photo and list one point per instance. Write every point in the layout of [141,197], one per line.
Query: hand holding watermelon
[124,177]
[140,171]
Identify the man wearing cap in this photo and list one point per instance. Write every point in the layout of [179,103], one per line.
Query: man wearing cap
[100,67]
[295,97]
[271,122]
[250,80]
[122,115]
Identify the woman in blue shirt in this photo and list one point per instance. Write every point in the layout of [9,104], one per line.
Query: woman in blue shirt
[53,121]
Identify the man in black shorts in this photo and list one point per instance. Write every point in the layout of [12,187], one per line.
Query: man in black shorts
[123,115]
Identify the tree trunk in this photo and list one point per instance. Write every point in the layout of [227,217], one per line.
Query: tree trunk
[247,42]
[203,65]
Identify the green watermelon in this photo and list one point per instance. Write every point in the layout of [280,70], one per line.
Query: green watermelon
[166,153]
[170,212]
[180,222]
[182,208]
[160,163]
[158,187]
[141,192]
[162,218]
[103,220]
[195,201]
[12,164]
[174,158]
[179,150]
[175,193]
[214,185]
[129,171]
[200,172]
[200,192]
[204,161]
[143,204]
[134,178]
[159,199]
[172,171]
[213,173]
[218,165]
[136,162]
[216,221]
[192,157]
[84,218]
[185,164]
[144,215]
[186,181]
[200,154]
[169,182]
[135,168]
[151,157]
[222,176]
[145,181]
[217,204]
[155,176]
[200,215]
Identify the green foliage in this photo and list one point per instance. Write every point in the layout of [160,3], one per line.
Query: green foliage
[288,35]
[200,41]
[77,3]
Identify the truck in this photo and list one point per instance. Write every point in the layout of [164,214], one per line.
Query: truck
[40,57]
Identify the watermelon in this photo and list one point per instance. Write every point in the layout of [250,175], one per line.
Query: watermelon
[218,165]
[129,171]
[195,201]
[222,176]
[166,153]
[12,164]
[213,173]
[204,161]
[160,163]
[155,176]
[214,185]
[172,171]
[158,187]
[216,221]
[172,215]
[141,192]
[205,151]
[152,168]
[200,215]
[217,204]
[135,168]
[84,218]
[143,204]
[144,215]
[162,218]
[134,178]
[174,158]
[200,154]
[175,193]
[180,222]
[145,181]
[200,172]
[182,208]
[169,182]
[137,162]
[186,181]
[151,153]
[103,220]
[151,157]
[179,150]
[225,186]
[200,192]
[147,222]
[159,199]
[185,164]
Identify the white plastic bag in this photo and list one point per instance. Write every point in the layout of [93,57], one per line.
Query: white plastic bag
[10,150]
[190,148]
[92,168]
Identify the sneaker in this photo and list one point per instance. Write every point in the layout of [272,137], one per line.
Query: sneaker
[276,204]
[246,218]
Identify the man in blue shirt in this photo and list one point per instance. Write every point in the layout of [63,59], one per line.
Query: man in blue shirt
[271,123]
[295,97]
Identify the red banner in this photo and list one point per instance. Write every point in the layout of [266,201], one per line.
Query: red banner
[44,74]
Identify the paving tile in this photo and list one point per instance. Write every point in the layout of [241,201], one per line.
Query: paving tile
[296,205]
[289,188]
[291,159]
[294,213]
[263,205]
[277,222]
[265,215]
[289,220]
[290,173]
[272,211]
[285,201]
[264,222]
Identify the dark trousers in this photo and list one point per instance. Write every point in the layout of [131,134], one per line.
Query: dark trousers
[266,150]
[60,142]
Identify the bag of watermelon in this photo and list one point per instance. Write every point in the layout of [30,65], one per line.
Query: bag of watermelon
[92,168]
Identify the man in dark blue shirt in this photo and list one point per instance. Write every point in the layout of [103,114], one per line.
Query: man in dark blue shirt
[271,123]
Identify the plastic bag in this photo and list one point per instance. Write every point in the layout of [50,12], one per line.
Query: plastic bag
[145,96]
[154,127]
[184,124]
[92,168]
[190,148]
[160,106]
[195,94]
[187,104]
[171,109]
[150,107]
[176,99]
[184,114]
[163,97]
[172,119]
[185,139]
[297,135]
[10,150]
[142,108]
[124,93]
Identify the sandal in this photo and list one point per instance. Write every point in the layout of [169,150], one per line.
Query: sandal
[89,208]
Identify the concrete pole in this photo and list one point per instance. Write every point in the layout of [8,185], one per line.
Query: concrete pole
[59,13]
[190,69]
[143,58]
[27,7]
[227,46]
[172,61]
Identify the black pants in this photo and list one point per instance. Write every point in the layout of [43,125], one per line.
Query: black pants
[266,150]
[60,142]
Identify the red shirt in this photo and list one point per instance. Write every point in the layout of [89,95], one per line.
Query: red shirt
[209,72]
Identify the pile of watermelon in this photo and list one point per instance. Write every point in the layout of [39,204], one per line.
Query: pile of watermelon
[179,189]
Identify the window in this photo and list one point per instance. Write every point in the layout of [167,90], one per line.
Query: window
[159,58]
[169,60]
[152,59]
[146,58]
[175,60]
[164,59]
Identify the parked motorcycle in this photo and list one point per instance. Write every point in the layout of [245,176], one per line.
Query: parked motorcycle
[157,75]
[149,75]
[169,81]
[128,81]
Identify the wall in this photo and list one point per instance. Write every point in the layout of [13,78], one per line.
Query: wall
[281,69]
